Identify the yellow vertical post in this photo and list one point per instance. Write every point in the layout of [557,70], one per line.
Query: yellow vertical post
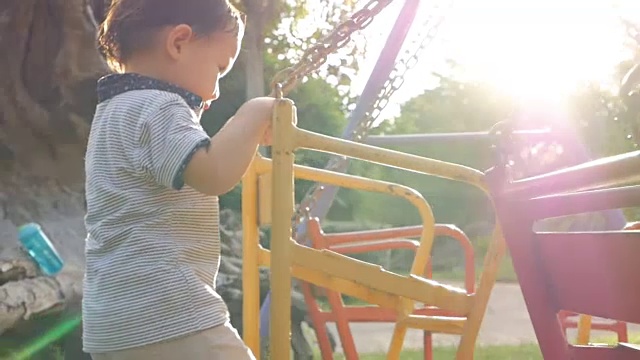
[250,271]
[584,329]
[495,253]
[282,211]
[264,199]
[419,264]
[397,339]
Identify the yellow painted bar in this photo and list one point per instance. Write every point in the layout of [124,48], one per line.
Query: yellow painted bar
[264,198]
[371,294]
[250,272]
[283,146]
[309,140]
[584,329]
[439,324]
[264,166]
[397,340]
[376,277]
[495,254]
[321,278]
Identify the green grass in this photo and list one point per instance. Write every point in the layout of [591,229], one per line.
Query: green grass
[503,352]
[506,272]
[634,338]
[511,352]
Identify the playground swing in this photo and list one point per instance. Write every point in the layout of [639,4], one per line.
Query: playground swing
[331,270]
[373,99]
[317,202]
[596,282]
[349,276]
[360,121]
[609,220]
[342,274]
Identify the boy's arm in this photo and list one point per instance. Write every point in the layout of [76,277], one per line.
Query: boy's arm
[175,150]
[216,169]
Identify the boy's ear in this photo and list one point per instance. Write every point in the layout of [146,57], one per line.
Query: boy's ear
[177,39]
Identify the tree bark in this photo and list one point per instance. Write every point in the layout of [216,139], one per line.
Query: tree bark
[260,14]
[48,72]
[253,58]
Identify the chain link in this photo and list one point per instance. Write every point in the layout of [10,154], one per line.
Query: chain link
[315,56]
[427,34]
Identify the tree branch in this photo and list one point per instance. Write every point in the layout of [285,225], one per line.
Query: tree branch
[35,297]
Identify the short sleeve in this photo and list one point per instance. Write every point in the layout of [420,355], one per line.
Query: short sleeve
[168,140]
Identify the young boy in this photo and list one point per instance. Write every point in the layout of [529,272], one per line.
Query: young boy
[152,180]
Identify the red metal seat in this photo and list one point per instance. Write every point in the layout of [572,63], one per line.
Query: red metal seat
[591,273]
[568,318]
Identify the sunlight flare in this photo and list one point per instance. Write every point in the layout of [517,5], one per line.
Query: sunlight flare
[529,49]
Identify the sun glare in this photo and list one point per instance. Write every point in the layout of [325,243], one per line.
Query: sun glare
[539,47]
[525,48]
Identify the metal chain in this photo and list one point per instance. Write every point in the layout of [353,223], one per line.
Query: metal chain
[427,34]
[316,55]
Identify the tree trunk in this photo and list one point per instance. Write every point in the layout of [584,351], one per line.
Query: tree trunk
[260,15]
[48,72]
[253,56]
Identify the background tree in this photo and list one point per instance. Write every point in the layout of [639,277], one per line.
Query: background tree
[451,106]
[273,27]
[47,94]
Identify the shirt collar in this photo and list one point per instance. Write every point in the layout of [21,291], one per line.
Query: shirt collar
[112,85]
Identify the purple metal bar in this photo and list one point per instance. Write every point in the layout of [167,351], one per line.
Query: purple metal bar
[557,114]
[443,138]
[611,171]
[580,202]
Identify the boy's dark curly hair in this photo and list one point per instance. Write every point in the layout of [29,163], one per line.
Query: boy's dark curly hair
[130,24]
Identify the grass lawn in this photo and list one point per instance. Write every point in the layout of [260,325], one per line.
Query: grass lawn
[519,352]
[503,352]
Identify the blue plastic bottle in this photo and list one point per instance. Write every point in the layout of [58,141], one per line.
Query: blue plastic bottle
[37,245]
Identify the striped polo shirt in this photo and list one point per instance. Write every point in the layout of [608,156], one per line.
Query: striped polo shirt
[153,244]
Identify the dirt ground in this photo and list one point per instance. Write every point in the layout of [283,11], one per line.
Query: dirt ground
[506,322]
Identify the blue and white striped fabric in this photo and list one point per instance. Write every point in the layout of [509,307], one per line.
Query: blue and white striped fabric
[153,245]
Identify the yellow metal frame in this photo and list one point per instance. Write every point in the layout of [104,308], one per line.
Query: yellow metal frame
[338,272]
[584,329]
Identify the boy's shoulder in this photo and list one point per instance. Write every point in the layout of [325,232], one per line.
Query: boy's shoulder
[146,92]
